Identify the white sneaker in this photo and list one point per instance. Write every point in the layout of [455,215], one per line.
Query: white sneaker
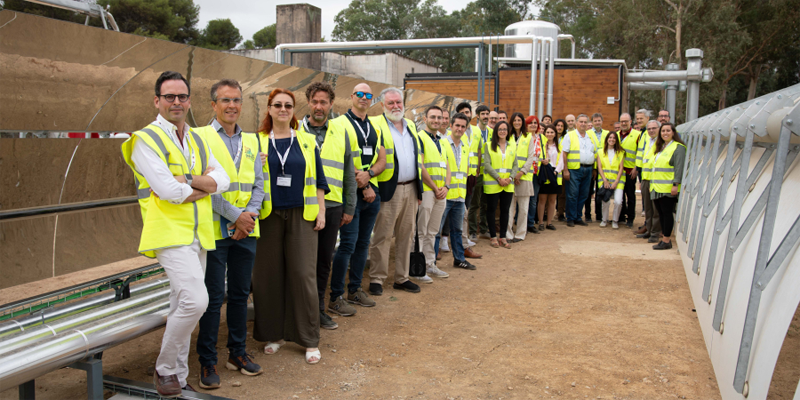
[473,237]
[614,225]
[423,279]
[434,271]
[443,245]
[470,243]
[603,224]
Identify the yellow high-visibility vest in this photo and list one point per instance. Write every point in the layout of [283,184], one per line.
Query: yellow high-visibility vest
[476,146]
[165,224]
[611,168]
[434,161]
[647,150]
[502,164]
[522,155]
[458,172]
[663,174]
[629,145]
[382,125]
[241,188]
[340,136]
[308,146]
[574,151]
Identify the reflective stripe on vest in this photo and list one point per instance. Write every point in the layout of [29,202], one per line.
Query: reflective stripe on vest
[382,125]
[503,168]
[166,224]
[610,169]
[663,174]
[433,161]
[629,145]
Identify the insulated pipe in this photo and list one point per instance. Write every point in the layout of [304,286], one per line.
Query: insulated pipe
[646,86]
[51,314]
[542,61]
[571,39]
[651,76]
[551,75]
[672,88]
[532,105]
[37,359]
[47,331]
[477,59]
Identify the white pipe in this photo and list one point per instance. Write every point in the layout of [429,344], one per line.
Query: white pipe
[532,104]
[551,76]
[571,39]
[542,61]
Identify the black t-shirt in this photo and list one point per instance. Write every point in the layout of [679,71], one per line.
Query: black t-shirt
[371,140]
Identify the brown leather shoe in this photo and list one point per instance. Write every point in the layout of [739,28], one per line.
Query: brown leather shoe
[641,231]
[439,256]
[469,253]
[167,386]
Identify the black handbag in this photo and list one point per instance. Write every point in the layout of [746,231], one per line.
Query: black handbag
[417,267]
[546,173]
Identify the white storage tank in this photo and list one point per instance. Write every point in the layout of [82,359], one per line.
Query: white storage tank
[524,28]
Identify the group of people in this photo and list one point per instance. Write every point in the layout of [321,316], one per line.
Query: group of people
[266,210]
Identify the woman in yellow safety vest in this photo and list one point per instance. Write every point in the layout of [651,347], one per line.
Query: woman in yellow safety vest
[549,191]
[527,160]
[499,165]
[284,275]
[610,163]
[665,179]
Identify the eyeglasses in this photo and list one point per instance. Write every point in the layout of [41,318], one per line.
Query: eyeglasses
[170,98]
[362,95]
[226,101]
[287,106]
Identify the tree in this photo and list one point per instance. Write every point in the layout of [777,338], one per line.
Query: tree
[266,38]
[248,45]
[173,20]
[220,34]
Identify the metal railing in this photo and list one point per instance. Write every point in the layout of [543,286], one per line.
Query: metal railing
[738,229]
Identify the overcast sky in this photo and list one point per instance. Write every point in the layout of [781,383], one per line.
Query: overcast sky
[252,15]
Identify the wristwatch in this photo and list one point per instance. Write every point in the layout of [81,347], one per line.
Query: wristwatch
[188,179]
[371,173]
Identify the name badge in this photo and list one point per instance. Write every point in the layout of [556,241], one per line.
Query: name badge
[285,180]
[442,164]
[367,150]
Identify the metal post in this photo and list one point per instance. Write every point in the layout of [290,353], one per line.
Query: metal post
[94,376]
[477,59]
[694,66]
[490,56]
[542,60]
[27,391]
[532,105]
[481,70]
[672,89]
[551,75]
[703,203]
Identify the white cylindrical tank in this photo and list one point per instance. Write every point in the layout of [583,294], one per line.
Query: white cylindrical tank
[523,28]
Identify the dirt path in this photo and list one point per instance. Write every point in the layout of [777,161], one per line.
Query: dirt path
[576,313]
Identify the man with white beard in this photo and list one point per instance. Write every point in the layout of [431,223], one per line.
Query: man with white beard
[400,190]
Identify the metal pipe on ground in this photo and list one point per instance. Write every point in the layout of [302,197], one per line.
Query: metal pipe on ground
[45,316]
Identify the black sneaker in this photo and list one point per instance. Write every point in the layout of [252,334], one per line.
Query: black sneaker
[562,218]
[643,236]
[209,378]
[326,322]
[581,223]
[663,246]
[551,227]
[630,224]
[408,286]
[463,264]
[376,289]
[654,239]
[541,227]
[588,220]
[244,365]
[570,224]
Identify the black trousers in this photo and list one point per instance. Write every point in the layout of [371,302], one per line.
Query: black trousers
[325,249]
[629,201]
[504,198]
[665,207]
[598,205]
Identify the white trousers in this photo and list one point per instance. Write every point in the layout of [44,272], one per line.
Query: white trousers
[186,269]
[617,205]
[429,218]
[522,217]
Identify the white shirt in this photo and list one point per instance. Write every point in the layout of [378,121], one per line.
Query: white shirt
[586,146]
[158,175]
[404,155]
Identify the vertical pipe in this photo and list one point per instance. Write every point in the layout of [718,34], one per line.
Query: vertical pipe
[672,90]
[692,100]
[490,56]
[532,106]
[477,59]
[551,74]
[542,60]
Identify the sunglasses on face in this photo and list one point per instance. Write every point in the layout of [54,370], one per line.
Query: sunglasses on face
[362,95]
[287,106]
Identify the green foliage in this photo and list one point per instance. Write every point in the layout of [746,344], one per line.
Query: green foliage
[220,34]
[44,11]
[266,38]
[248,45]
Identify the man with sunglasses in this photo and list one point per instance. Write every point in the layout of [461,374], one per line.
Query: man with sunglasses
[235,231]
[175,172]
[354,237]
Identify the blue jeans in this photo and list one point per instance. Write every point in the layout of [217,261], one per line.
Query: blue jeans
[454,211]
[578,191]
[239,255]
[534,201]
[354,241]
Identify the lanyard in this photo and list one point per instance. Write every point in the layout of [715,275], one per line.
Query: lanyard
[285,156]
[457,153]
[364,135]
[238,151]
